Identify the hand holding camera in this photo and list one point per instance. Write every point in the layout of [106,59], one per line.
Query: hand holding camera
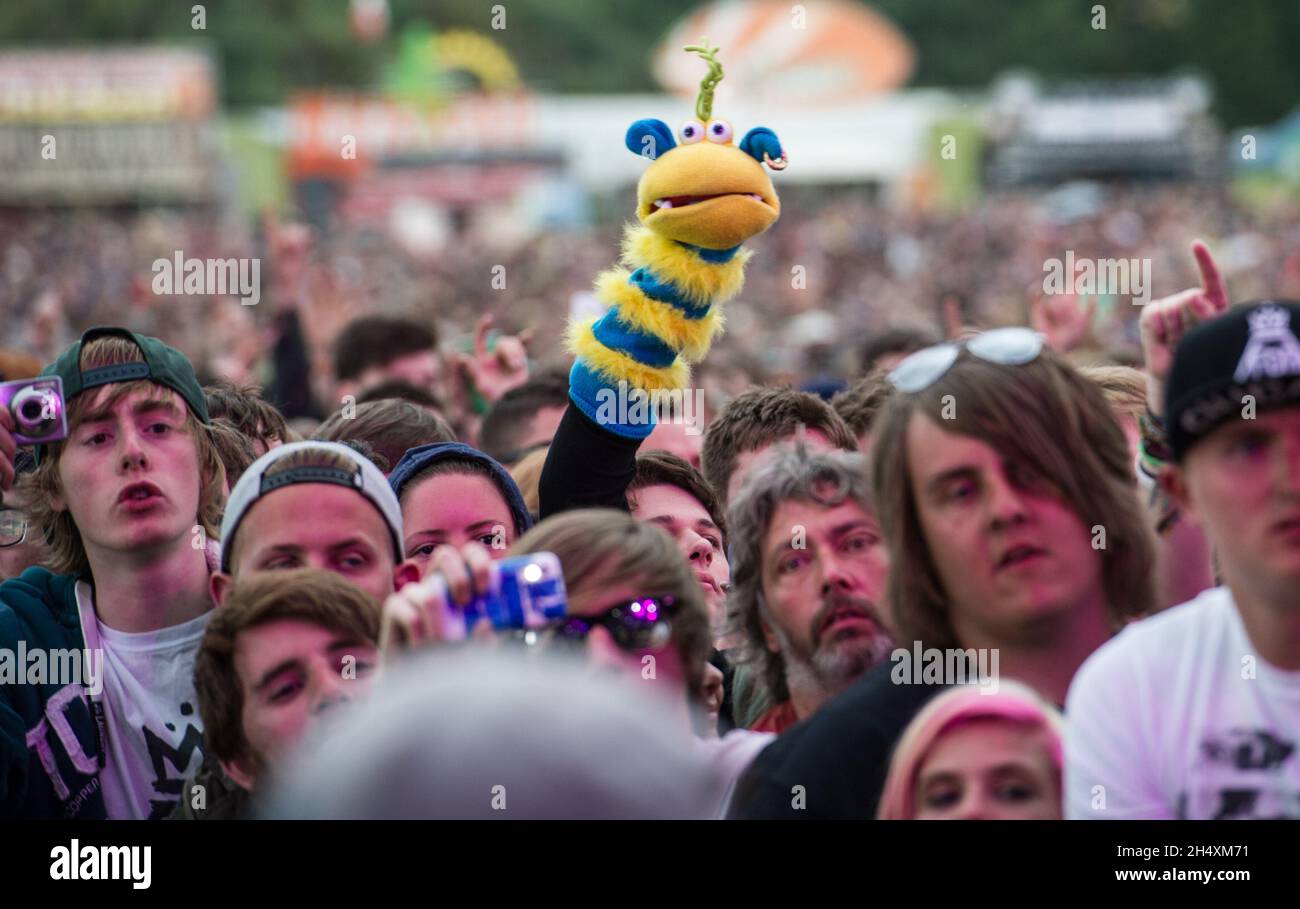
[31,413]
[8,450]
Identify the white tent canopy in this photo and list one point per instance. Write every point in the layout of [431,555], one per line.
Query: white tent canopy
[882,140]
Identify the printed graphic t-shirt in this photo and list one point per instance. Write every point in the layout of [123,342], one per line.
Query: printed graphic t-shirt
[155,737]
[1179,717]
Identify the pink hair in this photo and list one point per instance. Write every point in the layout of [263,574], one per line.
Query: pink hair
[1014,703]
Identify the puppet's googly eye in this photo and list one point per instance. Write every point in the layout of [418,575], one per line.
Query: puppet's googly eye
[692,131]
[719,131]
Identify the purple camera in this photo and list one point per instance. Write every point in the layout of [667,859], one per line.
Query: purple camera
[37,408]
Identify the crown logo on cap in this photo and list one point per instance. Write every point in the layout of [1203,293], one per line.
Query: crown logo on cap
[1268,320]
[1272,350]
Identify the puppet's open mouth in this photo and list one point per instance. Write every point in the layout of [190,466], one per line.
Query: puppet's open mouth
[682,201]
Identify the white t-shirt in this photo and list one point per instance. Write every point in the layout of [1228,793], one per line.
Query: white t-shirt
[151,713]
[1178,717]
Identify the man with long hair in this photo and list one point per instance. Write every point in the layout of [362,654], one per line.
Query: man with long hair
[1006,496]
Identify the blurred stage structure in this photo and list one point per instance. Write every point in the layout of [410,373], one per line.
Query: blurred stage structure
[451,131]
[1112,128]
[537,160]
[107,126]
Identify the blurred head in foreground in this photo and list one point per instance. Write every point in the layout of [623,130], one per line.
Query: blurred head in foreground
[481,735]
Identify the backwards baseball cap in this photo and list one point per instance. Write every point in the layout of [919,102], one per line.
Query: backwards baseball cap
[162,364]
[254,484]
[422,456]
[1250,354]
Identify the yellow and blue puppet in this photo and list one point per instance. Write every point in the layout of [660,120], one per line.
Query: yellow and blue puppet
[702,196]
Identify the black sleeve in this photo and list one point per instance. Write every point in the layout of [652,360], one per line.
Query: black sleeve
[587,467]
[291,389]
[838,758]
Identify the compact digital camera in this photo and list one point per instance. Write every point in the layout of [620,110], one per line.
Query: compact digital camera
[37,408]
[523,592]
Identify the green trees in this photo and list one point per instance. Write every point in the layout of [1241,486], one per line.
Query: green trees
[267,48]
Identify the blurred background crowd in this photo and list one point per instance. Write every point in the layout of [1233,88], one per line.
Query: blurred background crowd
[451,160]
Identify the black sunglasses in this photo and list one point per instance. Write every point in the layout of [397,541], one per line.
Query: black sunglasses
[641,624]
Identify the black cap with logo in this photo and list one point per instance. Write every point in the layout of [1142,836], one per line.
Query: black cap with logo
[1228,368]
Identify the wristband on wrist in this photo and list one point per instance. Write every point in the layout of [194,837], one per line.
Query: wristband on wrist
[1153,445]
[1153,457]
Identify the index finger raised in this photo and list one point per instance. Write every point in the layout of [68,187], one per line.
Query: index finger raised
[1211,279]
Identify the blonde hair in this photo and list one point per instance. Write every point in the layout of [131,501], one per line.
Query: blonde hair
[528,477]
[67,552]
[1015,704]
[1124,387]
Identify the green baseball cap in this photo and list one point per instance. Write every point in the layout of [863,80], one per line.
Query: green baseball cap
[162,364]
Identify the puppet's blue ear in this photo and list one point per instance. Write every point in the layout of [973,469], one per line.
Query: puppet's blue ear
[649,138]
[761,140]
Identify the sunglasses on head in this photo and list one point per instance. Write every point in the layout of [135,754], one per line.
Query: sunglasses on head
[641,624]
[1006,346]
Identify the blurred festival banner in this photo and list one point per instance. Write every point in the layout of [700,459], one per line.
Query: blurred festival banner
[818,51]
[452,128]
[107,126]
[430,67]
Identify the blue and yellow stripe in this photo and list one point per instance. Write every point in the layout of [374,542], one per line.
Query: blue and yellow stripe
[662,315]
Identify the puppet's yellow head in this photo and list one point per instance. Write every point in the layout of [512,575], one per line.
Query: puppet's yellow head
[705,189]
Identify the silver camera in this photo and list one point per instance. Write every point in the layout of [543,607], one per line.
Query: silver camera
[37,408]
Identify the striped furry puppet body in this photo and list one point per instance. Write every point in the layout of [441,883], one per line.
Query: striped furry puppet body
[699,200]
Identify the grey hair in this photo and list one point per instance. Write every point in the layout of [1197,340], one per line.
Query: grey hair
[789,472]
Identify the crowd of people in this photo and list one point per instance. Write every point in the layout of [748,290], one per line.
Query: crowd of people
[836,268]
[1016,557]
